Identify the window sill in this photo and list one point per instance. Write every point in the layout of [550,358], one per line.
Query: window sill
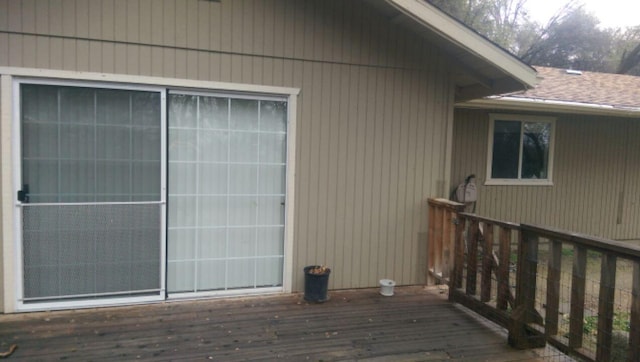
[518,183]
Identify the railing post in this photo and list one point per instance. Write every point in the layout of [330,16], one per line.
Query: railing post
[553,288]
[455,281]
[524,313]
[431,245]
[634,328]
[578,281]
[605,306]
[472,257]
[487,263]
[447,243]
[503,268]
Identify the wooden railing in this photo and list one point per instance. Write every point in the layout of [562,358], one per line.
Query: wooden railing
[522,292]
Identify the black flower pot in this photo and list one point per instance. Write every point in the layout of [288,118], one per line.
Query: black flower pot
[316,285]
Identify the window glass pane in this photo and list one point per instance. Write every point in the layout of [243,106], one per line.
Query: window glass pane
[506,143]
[244,114]
[535,150]
[183,111]
[273,116]
[87,144]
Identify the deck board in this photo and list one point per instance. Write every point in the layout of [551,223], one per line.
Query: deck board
[414,324]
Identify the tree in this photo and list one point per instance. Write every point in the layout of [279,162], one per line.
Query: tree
[571,39]
[630,52]
[498,20]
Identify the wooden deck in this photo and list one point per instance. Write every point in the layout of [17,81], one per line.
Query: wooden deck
[416,324]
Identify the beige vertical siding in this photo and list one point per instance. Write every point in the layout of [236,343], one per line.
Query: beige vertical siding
[372,112]
[596,160]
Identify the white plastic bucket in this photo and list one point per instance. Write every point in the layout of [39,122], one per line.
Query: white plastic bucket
[386,287]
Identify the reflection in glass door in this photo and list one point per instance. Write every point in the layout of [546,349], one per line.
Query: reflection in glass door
[227,166]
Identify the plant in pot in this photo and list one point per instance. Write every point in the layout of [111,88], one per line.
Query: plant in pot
[316,283]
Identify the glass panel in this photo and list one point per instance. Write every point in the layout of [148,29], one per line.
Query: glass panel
[272,180]
[212,211]
[212,179]
[73,250]
[113,107]
[181,276]
[273,116]
[269,272]
[81,144]
[182,178]
[243,179]
[181,211]
[211,274]
[270,241]
[182,145]
[221,165]
[244,115]
[242,210]
[242,242]
[535,150]
[273,148]
[212,243]
[506,143]
[183,245]
[244,147]
[213,146]
[214,113]
[183,111]
[77,105]
[241,273]
[271,210]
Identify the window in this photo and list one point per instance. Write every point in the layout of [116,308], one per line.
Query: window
[520,150]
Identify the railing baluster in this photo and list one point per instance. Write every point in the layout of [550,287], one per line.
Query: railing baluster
[605,306]
[447,254]
[458,263]
[431,235]
[487,263]
[503,268]
[553,288]
[634,328]
[525,311]
[578,281]
[439,241]
[472,257]
[528,267]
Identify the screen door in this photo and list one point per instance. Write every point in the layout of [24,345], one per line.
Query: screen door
[90,200]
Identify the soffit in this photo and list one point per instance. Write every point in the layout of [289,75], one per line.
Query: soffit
[479,67]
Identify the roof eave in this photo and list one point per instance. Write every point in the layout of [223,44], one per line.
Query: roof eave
[550,106]
[465,38]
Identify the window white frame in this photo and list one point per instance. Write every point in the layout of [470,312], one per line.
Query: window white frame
[493,117]
[10,263]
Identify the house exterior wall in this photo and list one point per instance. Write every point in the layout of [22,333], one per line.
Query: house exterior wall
[372,114]
[595,172]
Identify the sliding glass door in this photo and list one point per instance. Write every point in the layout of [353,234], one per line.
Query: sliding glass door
[118,201]
[91,194]
[227,166]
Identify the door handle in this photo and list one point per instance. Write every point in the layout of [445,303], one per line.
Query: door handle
[23,195]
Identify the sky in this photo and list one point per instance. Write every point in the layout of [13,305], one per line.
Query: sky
[611,13]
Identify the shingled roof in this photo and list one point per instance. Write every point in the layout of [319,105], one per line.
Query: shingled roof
[571,91]
[614,90]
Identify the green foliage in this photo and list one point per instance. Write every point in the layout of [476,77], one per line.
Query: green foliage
[572,39]
[620,323]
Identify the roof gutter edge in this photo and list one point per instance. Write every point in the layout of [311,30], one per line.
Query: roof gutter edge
[534,104]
